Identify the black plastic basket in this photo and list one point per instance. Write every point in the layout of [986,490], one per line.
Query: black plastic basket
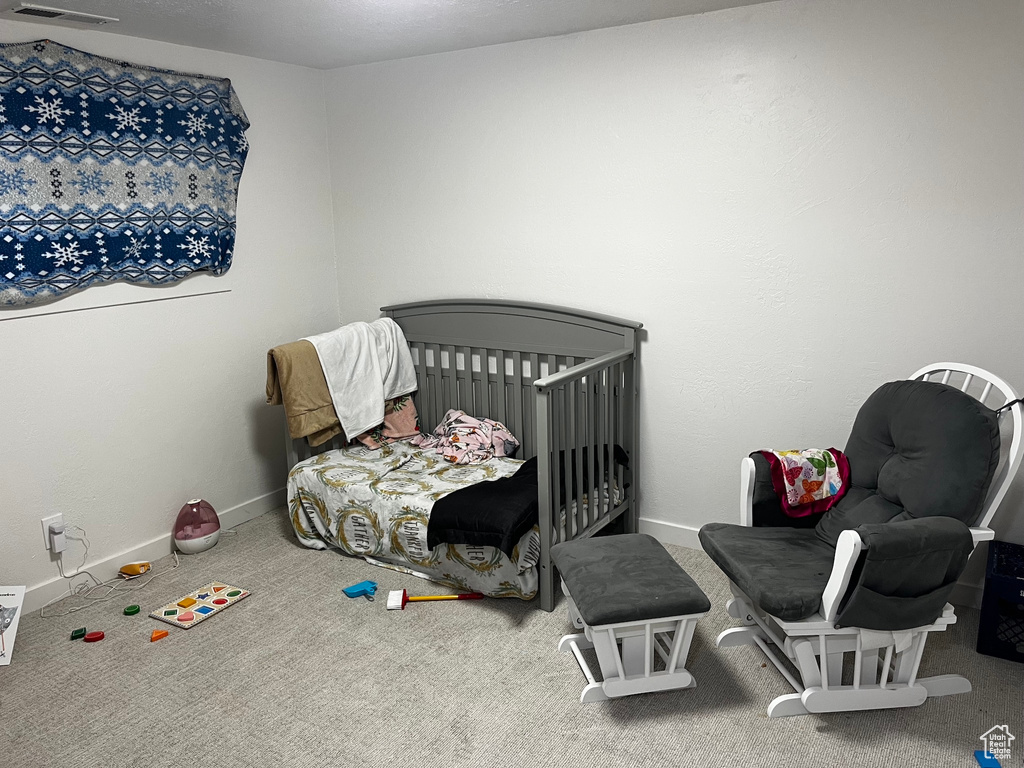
[1001,630]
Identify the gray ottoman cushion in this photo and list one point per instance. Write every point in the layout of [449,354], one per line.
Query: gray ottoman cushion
[631,577]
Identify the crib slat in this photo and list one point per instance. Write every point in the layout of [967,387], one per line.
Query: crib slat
[985,392]
[529,438]
[451,382]
[615,417]
[631,438]
[591,466]
[967,382]
[548,535]
[614,438]
[595,479]
[465,383]
[435,386]
[625,405]
[555,432]
[577,425]
[610,423]
[483,377]
[502,392]
[478,393]
[567,442]
[945,377]
[421,377]
[550,360]
[481,383]
[587,386]
[517,393]
[565,461]
[602,439]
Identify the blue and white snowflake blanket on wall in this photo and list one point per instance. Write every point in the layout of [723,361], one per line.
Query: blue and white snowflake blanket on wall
[112,171]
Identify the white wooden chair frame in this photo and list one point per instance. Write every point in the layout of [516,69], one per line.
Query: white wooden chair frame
[626,654]
[815,646]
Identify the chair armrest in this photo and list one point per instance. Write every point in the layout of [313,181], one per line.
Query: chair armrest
[759,506]
[982,534]
[901,543]
[848,549]
[747,472]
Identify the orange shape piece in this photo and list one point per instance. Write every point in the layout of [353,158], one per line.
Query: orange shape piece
[158,634]
[186,602]
[218,589]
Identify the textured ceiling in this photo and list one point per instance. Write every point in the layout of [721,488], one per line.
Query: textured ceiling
[336,33]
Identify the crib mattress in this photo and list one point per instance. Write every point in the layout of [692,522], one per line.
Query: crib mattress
[376,504]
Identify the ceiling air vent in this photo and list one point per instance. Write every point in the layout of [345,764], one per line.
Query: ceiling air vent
[41,12]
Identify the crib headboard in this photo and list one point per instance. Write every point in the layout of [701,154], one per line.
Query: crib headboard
[564,381]
[483,356]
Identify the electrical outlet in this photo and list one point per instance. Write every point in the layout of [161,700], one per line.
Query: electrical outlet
[46,527]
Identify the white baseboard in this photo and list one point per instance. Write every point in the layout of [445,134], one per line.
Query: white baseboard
[161,546]
[671,533]
[968,595]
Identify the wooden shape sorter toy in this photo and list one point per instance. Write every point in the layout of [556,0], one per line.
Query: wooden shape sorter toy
[200,605]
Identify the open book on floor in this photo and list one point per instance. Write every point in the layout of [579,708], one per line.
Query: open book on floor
[11,599]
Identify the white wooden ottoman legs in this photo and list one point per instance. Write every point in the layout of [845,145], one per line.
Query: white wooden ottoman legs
[626,654]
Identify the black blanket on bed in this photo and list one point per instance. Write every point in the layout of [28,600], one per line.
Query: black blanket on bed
[496,513]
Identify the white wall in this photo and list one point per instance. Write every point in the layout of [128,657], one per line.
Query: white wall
[800,201]
[116,416]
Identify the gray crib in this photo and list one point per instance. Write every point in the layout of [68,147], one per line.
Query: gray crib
[564,381]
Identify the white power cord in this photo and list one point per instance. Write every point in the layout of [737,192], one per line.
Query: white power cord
[114,586]
[85,540]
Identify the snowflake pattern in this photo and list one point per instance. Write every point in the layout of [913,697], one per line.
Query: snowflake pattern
[91,182]
[48,110]
[134,251]
[161,183]
[128,118]
[243,142]
[100,182]
[67,254]
[195,124]
[197,249]
[218,187]
[15,182]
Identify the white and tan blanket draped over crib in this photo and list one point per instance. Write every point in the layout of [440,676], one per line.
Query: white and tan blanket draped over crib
[365,364]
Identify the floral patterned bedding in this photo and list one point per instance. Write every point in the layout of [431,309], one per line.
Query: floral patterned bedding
[376,504]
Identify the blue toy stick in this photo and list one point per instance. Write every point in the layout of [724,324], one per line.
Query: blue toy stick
[362,589]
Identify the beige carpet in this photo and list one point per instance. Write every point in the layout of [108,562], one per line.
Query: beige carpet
[299,675]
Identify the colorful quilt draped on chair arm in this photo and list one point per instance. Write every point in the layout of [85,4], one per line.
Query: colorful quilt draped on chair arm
[808,481]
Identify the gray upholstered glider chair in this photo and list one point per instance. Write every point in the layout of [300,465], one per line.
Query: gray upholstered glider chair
[871,580]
